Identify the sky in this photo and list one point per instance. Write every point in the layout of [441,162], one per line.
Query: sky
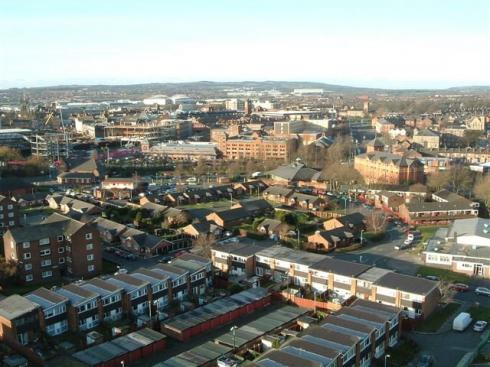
[376,43]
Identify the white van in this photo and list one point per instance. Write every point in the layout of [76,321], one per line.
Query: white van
[462,321]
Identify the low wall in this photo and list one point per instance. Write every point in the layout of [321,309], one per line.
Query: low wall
[308,303]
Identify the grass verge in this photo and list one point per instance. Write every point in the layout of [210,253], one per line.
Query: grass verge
[480,313]
[438,317]
[443,274]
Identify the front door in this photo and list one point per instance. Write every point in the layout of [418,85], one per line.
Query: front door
[479,270]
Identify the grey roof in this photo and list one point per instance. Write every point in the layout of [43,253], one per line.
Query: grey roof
[54,225]
[15,306]
[294,172]
[286,254]
[340,267]
[233,214]
[406,283]
[373,274]
[46,298]
[103,224]
[255,205]
[424,206]
[470,227]
[394,159]
[238,248]
[278,190]
[449,196]
[270,224]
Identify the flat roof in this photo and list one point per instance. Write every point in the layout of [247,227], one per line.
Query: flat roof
[214,309]
[198,356]
[15,306]
[261,326]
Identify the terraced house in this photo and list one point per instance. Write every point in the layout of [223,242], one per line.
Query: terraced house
[417,297]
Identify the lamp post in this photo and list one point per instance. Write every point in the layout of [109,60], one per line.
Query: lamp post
[362,231]
[386,358]
[233,329]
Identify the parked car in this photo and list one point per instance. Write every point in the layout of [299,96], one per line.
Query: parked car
[402,246]
[482,291]
[410,236]
[459,287]
[432,277]
[408,241]
[165,259]
[425,360]
[480,325]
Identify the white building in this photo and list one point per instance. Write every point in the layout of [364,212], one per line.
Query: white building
[464,247]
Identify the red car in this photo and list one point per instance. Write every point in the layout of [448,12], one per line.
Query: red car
[459,287]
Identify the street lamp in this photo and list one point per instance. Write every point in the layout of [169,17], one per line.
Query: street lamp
[386,358]
[122,363]
[362,231]
[233,329]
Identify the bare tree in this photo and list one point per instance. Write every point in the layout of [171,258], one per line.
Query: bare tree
[203,244]
[376,221]
[482,190]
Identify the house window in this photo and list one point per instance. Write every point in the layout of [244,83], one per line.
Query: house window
[60,238]
[11,223]
[90,246]
[44,241]
[46,262]
[62,260]
[46,274]
[10,206]
[11,215]
[88,236]
[29,278]
[91,268]
[90,257]
[27,267]
[61,250]
[27,255]
[45,252]
[26,244]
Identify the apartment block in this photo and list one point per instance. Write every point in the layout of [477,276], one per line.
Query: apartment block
[59,245]
[9,214]
[388,168]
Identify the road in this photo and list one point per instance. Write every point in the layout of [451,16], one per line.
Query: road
[384,255]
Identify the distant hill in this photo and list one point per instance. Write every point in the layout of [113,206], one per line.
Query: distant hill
[206,88]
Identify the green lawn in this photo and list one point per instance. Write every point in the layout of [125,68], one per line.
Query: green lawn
[438,317]
[443,274]
[480,313]
[427,232]
[401,355]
